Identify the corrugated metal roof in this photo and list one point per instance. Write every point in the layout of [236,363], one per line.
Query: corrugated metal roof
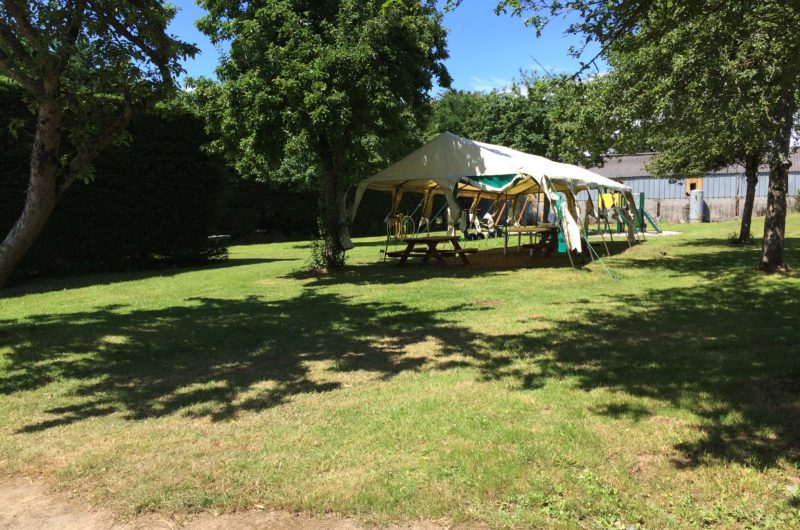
[627,166]
[622,166]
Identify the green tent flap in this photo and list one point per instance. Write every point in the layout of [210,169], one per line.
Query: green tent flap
[495,182]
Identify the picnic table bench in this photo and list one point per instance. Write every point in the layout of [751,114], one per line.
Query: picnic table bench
[428,247]
[546,234]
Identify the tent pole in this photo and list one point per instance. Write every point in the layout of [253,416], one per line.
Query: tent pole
[593,252]
[569,255]
[505,232]
[435,216]
[603,238]
[389,225]
[560,219]
[599,228]
[623,222]
[502,209]
[522,210]
[561,227]
[605,218]
[535,205]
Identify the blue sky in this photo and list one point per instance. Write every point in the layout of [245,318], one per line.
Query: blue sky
[486,51]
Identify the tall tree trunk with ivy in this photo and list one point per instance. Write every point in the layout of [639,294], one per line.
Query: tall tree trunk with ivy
[751,163]
[772,256]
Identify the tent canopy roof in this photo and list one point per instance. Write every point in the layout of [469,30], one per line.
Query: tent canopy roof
[450,161]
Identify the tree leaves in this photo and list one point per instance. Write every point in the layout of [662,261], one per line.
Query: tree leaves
[308,86]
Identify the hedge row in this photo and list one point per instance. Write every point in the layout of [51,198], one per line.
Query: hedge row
[156,199]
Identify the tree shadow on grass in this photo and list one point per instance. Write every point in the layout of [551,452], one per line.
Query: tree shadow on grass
[484,263]
[44,285]
[711,257]
[725,351]
[217,357]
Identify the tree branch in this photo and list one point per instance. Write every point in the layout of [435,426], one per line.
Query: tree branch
[73,30]
[158,58]
[13,44]
[28,83]
[619,31]
[103,140]
[18,12]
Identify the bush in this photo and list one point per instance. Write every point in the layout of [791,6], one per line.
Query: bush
[156,199]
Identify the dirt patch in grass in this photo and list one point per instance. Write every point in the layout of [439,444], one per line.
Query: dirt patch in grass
[664,420]
[645,463]
[273,281]
[29,504]
[488,303]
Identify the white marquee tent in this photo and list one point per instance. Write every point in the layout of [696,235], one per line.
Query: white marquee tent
[458,167]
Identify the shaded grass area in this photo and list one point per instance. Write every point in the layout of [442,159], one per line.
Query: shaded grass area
[496,395]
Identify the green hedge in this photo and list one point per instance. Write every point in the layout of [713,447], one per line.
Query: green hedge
[156,199]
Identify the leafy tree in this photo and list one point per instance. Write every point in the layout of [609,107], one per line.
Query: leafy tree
[748,73]
[694,103]
[584,127]
[513,118]
[563,119]
[517,118]
[321,93]
[459,112]
[88,67]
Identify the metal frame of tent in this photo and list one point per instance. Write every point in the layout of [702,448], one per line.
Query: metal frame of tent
[503,202]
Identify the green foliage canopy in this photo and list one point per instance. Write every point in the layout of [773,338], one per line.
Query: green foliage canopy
[321,93]
[711,79]
[311,88]
[563,119]
[700,106]
[514,118]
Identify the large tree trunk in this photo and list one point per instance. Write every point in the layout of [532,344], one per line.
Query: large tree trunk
[779,163]
[751,163]
[333,250]
[42,191]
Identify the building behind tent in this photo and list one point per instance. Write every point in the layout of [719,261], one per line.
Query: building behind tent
[724,190]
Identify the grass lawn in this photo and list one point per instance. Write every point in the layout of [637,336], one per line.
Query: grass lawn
[541,396]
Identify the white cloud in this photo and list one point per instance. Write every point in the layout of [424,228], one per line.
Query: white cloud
[487,84]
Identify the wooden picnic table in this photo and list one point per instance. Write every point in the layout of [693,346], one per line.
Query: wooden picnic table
[546,233]
[430,249]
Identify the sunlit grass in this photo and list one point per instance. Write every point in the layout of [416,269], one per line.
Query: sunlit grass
[534,396]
